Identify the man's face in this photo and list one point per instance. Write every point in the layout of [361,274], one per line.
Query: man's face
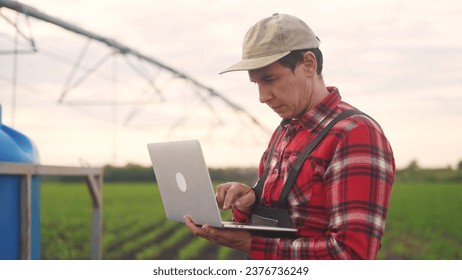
[287,93]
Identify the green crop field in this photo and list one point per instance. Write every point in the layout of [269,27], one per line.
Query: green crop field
[134,225]
[423,223]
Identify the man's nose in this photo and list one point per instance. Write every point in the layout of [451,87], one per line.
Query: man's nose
[265,94]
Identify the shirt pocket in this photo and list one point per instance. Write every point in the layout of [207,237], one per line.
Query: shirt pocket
[309,183]
[307,198]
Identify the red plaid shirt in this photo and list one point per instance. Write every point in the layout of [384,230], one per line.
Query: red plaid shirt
[340,199]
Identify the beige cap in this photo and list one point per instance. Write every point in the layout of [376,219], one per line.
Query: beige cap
[273,38]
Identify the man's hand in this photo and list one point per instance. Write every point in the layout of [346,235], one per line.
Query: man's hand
[235,195]
[237,239]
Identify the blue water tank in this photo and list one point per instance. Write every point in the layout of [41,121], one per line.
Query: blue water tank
[16,147]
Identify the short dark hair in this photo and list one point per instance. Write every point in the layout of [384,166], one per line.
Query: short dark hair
[294,58]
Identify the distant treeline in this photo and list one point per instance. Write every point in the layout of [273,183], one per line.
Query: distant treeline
[413,172]
[138,173]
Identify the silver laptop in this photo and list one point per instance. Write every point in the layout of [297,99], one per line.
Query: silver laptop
[186,188]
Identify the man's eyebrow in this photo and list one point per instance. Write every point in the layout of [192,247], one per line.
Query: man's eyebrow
[263,77]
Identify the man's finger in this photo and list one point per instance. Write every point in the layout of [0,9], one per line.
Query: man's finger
[232,194]
[221,193]
[191,225]
[247,200]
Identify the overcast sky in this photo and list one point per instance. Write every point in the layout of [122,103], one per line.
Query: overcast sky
[399,61]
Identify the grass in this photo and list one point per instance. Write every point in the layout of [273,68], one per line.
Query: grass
[134,224]
[66,221]
[422,223]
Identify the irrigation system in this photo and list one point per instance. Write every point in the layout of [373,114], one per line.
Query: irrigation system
[120,48]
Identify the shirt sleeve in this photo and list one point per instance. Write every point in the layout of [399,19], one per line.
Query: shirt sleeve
[240,217]
[358,183]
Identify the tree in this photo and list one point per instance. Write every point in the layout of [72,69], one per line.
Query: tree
[413,165]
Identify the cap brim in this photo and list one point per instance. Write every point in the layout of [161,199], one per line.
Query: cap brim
[254,63]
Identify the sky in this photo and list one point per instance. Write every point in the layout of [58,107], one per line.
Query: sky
[398,61]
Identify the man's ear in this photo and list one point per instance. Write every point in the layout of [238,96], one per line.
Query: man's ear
[309,63]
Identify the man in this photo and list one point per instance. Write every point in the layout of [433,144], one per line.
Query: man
[339,198]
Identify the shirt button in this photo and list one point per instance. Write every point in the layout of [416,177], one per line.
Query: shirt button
[276,171]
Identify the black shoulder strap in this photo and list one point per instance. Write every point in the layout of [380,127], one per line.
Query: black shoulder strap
[258,188]
[295,169]
[293,173]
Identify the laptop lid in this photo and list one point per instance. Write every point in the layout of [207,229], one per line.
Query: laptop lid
[184,182]
[186,188]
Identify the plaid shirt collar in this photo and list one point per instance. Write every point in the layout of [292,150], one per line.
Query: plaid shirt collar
[311,120]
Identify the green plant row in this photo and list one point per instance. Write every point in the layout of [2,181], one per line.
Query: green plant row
[134,224]
[423,223]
